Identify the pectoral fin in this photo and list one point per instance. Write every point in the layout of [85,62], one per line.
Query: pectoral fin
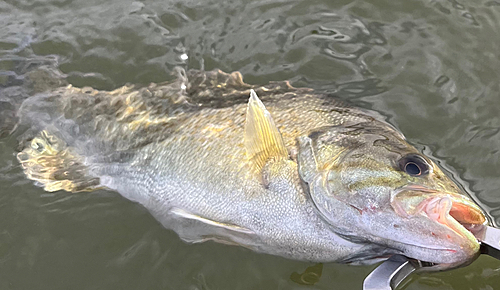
[194,228]
[263,141]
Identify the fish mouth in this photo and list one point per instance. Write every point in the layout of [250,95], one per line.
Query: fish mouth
[463,218]
[452,210]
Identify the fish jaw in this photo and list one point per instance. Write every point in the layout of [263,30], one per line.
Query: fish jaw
[456,221]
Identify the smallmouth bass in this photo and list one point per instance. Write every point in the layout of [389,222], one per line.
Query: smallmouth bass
[276,169]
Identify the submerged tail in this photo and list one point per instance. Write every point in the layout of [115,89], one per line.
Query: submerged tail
[48,161]
[72,135]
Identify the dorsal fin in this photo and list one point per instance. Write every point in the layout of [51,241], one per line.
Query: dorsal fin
[263,140]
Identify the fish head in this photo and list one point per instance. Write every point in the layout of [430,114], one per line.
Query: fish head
[371,186]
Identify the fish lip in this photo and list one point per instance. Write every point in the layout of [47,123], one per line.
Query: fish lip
[463,219]
[455,211]
[460,203]
[462,210]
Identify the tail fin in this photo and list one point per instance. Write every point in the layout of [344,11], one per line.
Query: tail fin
[50,162]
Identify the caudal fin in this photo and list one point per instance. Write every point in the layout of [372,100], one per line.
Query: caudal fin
[55,166]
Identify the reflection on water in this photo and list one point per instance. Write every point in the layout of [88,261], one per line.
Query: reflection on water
[430,66]
[310,276]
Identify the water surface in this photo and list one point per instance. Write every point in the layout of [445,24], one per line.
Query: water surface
[431,67]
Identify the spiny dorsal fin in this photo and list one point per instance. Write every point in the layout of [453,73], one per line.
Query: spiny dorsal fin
[263,140]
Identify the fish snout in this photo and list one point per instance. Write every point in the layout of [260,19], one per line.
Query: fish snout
[455,221]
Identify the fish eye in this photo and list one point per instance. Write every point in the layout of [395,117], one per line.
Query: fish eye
[414,165]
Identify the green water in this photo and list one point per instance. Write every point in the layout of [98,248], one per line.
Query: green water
[432,67]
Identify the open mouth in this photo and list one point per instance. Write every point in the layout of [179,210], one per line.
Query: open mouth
[463,222]
[455,211]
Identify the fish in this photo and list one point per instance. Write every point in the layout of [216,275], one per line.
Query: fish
[276,169]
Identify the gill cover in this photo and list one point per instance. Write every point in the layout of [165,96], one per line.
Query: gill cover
[320,153]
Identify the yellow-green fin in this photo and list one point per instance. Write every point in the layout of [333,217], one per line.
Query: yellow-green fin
[263,141]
